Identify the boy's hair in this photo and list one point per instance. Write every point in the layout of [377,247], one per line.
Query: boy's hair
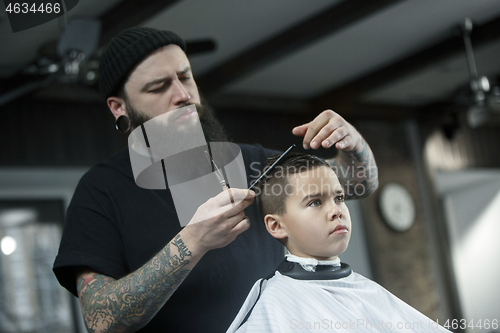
[271,191]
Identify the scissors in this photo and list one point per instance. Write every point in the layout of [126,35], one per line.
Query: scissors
[217,172]
[223,182]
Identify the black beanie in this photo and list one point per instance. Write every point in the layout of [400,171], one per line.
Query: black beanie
[128,49]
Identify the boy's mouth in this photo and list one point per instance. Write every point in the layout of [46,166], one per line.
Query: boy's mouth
[340,229]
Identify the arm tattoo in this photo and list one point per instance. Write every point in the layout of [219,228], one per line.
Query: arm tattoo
[357,171]
[128,304]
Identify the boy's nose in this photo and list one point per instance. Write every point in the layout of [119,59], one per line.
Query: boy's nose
[335,213]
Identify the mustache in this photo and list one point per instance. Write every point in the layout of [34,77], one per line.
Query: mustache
[180,106]
[212,128]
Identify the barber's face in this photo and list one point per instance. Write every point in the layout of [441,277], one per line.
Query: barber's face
[162,82]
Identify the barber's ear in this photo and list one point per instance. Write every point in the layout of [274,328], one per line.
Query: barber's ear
[274,226]
[117,106]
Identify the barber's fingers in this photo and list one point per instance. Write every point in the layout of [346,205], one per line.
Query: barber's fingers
[232,201]
[342,135]
[236,210]
[235,225]
[234,196]
[347,143]
[221,207]
[300,130]
[235,219]
[311,129]
[329,129]
[329,135]
[241,226]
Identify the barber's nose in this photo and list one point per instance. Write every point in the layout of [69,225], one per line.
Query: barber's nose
[180,94]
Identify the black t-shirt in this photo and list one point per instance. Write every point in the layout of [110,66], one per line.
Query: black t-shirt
[114,227]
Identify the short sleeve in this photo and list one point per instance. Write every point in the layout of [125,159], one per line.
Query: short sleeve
[91,235]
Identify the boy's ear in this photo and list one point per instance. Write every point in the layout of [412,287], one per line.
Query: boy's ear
[117,106]
[274,226]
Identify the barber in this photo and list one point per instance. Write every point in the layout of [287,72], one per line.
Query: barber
[123,252]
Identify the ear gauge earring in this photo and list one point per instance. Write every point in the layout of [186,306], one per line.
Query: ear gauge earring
[123,124]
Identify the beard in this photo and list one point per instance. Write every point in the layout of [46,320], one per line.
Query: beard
[183,165]
[212,128]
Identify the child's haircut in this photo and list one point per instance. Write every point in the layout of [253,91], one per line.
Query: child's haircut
[271,191]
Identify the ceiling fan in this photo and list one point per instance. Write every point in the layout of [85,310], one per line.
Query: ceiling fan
[483,100]
[70,63]
[75,60]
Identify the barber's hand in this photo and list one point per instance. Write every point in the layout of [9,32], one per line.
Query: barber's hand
[218,221]
[329,129]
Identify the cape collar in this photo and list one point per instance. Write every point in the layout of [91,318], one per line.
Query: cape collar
[323,272]
[310,264]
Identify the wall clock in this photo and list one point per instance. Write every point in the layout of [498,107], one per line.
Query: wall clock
[397,207]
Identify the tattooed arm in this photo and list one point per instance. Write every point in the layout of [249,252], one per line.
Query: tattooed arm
[355,164]
[129,303]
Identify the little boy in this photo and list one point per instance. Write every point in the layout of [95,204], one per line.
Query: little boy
[302,204]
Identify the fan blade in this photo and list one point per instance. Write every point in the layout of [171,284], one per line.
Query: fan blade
[81,34]
[200,46]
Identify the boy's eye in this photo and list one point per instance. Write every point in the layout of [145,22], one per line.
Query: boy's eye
[314,203]
[339,198]
[184,78]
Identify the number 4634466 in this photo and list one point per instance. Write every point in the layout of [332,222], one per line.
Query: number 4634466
[25,8]
[462,323]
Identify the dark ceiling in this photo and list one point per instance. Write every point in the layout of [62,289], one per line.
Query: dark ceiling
[375,59]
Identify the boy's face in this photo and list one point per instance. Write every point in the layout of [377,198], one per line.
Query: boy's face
[317,222]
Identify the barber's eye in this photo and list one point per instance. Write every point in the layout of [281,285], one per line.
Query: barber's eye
[184,78]
[157,90]
[339,198]
[314,203]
